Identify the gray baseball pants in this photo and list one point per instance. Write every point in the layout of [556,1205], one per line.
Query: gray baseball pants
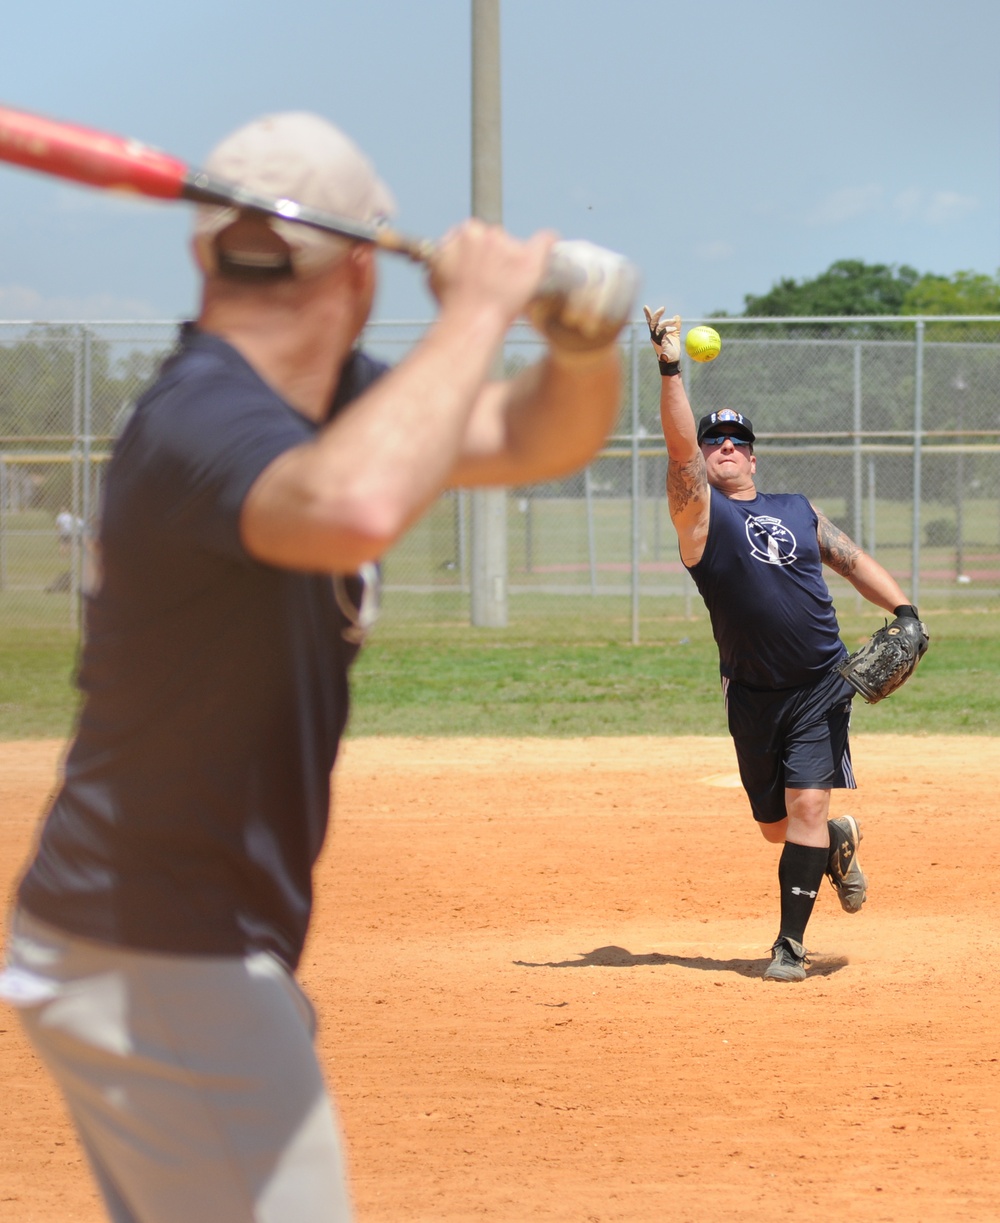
[192,1081]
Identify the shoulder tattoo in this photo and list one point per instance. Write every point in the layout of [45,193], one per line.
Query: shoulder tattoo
[686,482]
[836,548]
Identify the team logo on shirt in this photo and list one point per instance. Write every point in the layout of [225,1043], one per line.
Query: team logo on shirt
[770,540]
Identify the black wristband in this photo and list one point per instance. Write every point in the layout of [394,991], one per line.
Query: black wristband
[669,369]
[908,610]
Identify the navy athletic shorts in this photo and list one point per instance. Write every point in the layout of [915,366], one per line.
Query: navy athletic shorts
[793,737]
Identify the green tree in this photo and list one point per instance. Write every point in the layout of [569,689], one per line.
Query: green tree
[43,395]
[42,383]
[847,287]
[964,293]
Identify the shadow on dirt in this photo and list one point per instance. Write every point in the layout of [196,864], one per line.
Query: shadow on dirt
[619,957]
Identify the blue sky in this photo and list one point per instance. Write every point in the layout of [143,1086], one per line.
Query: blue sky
[720,146]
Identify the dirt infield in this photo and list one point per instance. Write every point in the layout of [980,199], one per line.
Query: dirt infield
[538,967]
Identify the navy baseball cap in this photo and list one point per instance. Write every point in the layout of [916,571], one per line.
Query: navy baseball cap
[728,423]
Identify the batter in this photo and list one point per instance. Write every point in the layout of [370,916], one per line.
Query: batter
[161,919]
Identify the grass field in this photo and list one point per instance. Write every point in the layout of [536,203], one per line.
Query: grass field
[564,674]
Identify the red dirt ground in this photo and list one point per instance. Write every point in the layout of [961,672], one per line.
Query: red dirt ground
[538,968]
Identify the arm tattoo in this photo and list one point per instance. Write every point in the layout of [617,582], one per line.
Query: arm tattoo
[686,482]
[836,549]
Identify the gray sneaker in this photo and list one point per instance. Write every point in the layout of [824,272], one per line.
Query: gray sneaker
[788,961]
[843,869]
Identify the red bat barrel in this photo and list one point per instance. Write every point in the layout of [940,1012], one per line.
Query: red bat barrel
[113,163]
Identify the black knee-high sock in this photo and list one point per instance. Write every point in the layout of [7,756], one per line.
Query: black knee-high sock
[800,872]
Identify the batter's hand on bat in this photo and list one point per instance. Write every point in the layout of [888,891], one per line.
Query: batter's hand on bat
[481,267]
[585,299]
[664,334]
[579,297]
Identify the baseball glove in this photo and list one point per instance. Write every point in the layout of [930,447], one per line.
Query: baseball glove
[888,658]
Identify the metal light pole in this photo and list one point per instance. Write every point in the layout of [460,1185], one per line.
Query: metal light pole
[488,506]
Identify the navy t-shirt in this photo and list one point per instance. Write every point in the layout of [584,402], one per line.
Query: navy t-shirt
[196,791]
[761,577]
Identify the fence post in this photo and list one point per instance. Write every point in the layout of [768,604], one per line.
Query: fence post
[77,496]
[635,486]
[588,492]
[3,524]
[918,428]
[89,509]
[960,386]
[463,541]
[858,491]
[527,506]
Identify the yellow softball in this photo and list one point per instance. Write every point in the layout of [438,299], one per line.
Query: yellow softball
[703,343]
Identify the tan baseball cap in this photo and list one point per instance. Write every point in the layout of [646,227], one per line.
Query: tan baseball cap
[298,156]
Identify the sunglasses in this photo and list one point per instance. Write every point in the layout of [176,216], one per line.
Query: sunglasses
[717,441]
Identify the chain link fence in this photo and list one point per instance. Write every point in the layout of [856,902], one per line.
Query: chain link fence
[890,425]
